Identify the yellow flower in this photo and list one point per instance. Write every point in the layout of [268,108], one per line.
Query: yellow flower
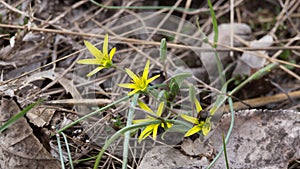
[153,127]
[200,125]
[103,59]
[140,83]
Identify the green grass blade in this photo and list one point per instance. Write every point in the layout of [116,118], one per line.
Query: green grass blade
[127,134]
[225,152]
[60,152]
[228,133]
[215,23]
[19,115]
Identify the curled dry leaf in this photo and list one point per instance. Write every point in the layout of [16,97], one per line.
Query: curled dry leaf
[19,147]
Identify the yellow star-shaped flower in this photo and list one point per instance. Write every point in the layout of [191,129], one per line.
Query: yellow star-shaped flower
[102,59]
[199,125]
[140,83]
[153,127]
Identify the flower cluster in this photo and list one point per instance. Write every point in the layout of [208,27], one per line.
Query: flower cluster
[140,84]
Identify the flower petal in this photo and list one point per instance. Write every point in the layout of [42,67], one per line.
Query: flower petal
[160,109]
[94,51]
[105,45]
[146,70]
[193,130]
[133,76]
[133,92]
[169,125]
[198,105]
[146,132]
[89,61]
[128,85]
[112,53]
[190,119]
[94,71]
[155,128]
[152,78]
[144,106]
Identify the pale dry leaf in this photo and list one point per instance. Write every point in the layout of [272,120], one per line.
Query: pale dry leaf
[40,116]
[249,61]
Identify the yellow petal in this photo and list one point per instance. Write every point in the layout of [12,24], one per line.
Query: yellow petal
[134,77]
[89,61]
[94,51]
[144,106]
[146,70]
[105,45]
[133,92]
[146,132]
[127,85]
[112,53]
[160,109]
[193,130]
[152,78]
[198,106]
[169,125]
[95,71]
[155,128]
[190,119]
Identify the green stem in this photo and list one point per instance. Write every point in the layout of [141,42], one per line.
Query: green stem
[92,114]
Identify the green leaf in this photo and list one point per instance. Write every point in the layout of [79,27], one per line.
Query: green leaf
[192,93]
[19,115]
[180,77]
[163,50]
[174,90]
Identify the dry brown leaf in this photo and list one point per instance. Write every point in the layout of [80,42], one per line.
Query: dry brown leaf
[40,116]
[19,148]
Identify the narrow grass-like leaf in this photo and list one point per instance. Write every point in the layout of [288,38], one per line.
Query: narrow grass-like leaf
[60,152]
[228,133]
[215,23]
[18,115]
[192,93]
[68,150]
[225,152]
[127,134]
